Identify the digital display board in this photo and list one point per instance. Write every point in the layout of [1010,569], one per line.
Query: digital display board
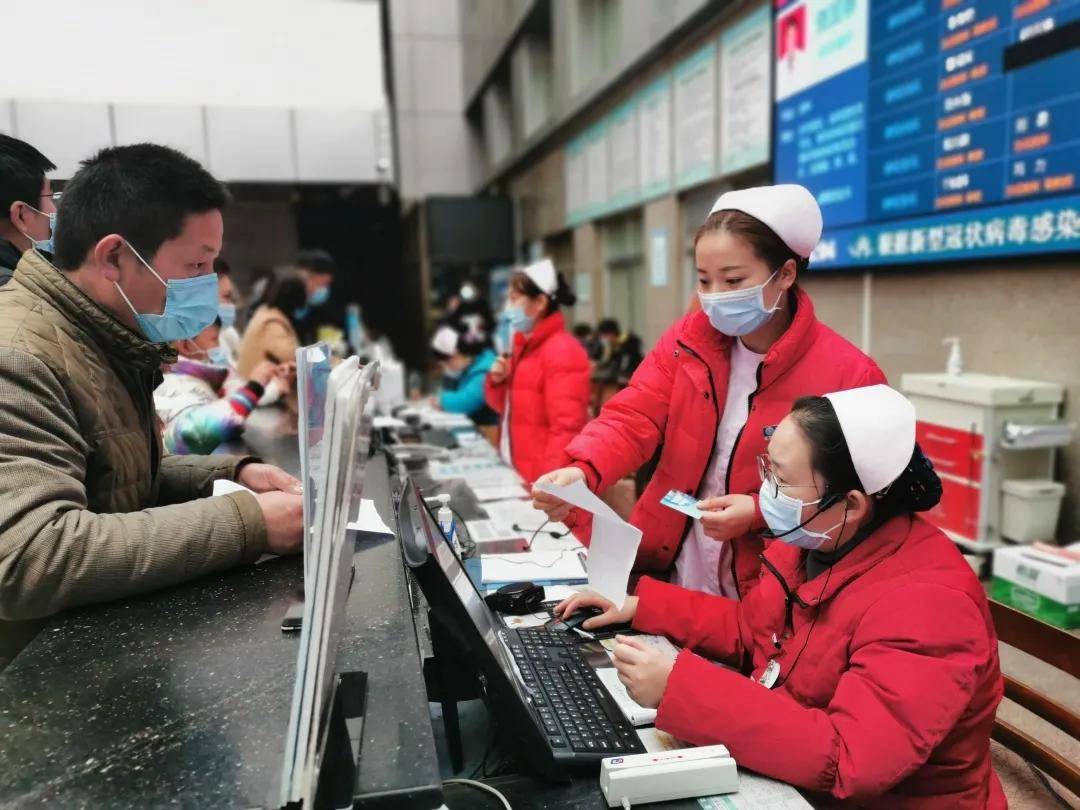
[931,129]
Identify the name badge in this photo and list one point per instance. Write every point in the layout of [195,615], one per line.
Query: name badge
[771,673]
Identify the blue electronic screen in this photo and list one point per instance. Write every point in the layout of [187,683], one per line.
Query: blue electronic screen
[931,129]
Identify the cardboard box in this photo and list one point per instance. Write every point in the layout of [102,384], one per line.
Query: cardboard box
[1040,584]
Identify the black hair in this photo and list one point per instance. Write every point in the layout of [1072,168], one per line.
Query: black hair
[143,192]
[285,290]
[582,330]
[474,325]
[762,239]
[917,489]
[562,297]
[22,173]
[222,267]
[316,261]
[608,326]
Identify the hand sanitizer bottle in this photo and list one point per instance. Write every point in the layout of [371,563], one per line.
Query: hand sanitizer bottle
[445,518]
[955,364]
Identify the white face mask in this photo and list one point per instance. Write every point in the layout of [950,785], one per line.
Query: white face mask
[783,514]
[739,312]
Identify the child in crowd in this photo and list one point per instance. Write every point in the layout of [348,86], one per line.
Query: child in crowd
[196,416]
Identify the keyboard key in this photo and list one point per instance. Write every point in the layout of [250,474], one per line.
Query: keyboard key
[557,742]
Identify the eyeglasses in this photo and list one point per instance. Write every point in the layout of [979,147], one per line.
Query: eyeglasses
[765,471]
[54,196]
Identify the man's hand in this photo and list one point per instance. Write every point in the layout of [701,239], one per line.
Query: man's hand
[268,478]
[727,517]
[284,516]
[556,508]
[643,670]
[498,371]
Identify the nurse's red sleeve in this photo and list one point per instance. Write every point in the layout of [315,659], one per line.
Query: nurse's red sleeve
[702,622]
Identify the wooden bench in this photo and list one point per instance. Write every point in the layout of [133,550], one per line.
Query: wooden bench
[1059,649]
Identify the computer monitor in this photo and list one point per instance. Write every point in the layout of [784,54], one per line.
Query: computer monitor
[339,478]
[461,610]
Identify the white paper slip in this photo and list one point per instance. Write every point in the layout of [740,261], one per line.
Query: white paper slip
[637,714]
[536,566]
[529,620]
[224,486]
[368,520]
[660,644]
[656,740]
[614,543]
[758,793]
[380,422]
[499,493]
[682,502]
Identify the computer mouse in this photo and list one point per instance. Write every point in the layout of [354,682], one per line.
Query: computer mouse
[576,619]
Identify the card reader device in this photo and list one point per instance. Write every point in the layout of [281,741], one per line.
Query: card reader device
[684,773]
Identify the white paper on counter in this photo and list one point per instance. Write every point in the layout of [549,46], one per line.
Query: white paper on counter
[535,566]
[368,520]
[380,422]
[223,486]
[758,793]
[499,493]
[614,544]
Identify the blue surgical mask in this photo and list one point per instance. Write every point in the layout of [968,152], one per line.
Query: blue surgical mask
[218,356]
[319,297]
[739,312]
[226,314]
[191,305]
[45,245]
[783,514]
[511,321]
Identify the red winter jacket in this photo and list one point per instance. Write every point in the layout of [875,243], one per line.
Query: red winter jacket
[674,401]
[888,682]
[548,383]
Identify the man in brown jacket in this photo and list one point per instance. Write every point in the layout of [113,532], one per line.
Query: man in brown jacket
[90,508]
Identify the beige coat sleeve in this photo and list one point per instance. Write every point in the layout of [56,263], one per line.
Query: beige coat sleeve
[184,478]
[54,552]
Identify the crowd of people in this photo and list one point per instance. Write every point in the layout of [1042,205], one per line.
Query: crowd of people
[810,569]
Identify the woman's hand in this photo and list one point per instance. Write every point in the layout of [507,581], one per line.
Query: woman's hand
[727,517]
[498,371]
[611,615]
[556,508]
[643,670]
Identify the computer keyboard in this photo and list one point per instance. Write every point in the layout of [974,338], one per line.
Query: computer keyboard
[577,712]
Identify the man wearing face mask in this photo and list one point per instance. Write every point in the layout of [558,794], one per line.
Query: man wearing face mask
[196,415]
[317,268]
[27,207]
[91,508]
[710,388]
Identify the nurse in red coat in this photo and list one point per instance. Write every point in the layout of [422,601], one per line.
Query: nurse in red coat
[540,386]
[713,383]
[871,655]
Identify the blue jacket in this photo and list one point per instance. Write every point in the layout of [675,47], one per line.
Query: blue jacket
[466,393]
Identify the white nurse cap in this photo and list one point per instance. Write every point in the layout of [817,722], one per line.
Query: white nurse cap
[543,275]
[789,210]
[445,341]
[878,423]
